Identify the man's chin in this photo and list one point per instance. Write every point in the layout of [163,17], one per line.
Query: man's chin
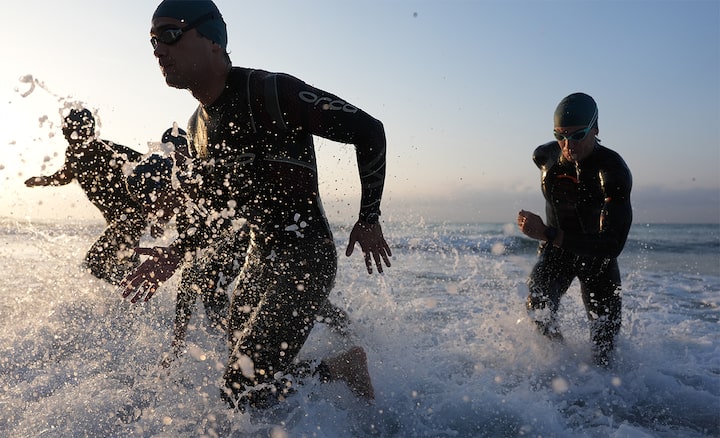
[175,82]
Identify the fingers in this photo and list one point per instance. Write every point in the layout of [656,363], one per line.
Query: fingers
[140,290]
[368,263]
[386,258]
[127,288]
[34,181]
[150,293]
[137,296]
[378,263]
[138,284]
[351,245]
[156,231]
[379,257]
[145,251]
[387,252]
[147,286]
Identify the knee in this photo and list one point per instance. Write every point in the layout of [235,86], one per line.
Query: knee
[537,298]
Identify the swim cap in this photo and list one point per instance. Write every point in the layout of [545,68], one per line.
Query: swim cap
[577,109]
[150,177]
[81,117]
[176,136]
[188,11]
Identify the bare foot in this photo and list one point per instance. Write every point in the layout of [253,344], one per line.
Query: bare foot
[351,367]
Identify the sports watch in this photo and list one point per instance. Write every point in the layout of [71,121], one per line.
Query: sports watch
[371,218]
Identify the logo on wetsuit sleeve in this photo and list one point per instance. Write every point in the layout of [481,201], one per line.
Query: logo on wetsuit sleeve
[327,103]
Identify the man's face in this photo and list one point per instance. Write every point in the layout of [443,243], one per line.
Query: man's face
[183,62]
[575,150]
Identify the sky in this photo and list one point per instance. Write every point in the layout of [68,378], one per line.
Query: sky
[465,89]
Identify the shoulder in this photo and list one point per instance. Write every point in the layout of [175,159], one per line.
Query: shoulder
[609,159]
[615,172]
[546,154]
[132,154]
[241,75]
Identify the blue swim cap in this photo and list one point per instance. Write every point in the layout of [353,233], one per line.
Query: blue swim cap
[187,11]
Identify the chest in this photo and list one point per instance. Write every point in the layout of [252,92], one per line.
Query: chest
[573,186]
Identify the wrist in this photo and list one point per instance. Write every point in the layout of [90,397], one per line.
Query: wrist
[370,217]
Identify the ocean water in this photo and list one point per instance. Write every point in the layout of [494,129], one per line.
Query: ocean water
[450,348]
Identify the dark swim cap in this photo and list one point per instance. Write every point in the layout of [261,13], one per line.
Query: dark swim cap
[150,177]
[176,136]
[187,11]
[577,109]
[81,117]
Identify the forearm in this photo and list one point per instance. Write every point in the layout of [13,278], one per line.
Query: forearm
[372,168]
[59,178]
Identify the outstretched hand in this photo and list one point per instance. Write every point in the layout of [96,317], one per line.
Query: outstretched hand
[156,231]
[158,268]
[36,181]
[372,243]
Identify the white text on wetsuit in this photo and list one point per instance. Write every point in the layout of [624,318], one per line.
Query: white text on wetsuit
[326,103]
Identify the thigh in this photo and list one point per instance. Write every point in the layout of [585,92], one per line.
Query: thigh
[550,278]
[600,286]
[125,232]
[286,290]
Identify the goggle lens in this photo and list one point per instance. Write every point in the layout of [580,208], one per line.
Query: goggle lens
[575,136]
[168,36]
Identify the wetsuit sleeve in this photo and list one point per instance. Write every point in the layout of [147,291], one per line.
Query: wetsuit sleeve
[189,232]
[615,219]
[326,115]
[64,175]
[127,153]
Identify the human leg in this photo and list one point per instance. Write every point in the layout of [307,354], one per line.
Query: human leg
[351,367]
[336,318]
[273,310]
[602,297]
[549,280]
[184,308]
[209,276]
[221,265]
[112,256]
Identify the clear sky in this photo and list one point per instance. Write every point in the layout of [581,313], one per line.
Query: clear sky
[465,89]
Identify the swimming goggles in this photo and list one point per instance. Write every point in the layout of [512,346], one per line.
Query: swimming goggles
[172,36]
[577,135]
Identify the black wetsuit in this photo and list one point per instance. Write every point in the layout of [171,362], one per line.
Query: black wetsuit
[97,166]
[253,157]
[590,203]
[210,275]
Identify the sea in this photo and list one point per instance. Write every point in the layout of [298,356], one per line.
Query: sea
[450,348]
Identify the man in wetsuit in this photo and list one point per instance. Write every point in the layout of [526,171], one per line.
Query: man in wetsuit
[252,156]
[587,194]
[213,269]
[97,165]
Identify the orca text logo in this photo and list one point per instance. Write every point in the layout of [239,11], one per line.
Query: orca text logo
[327,103]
